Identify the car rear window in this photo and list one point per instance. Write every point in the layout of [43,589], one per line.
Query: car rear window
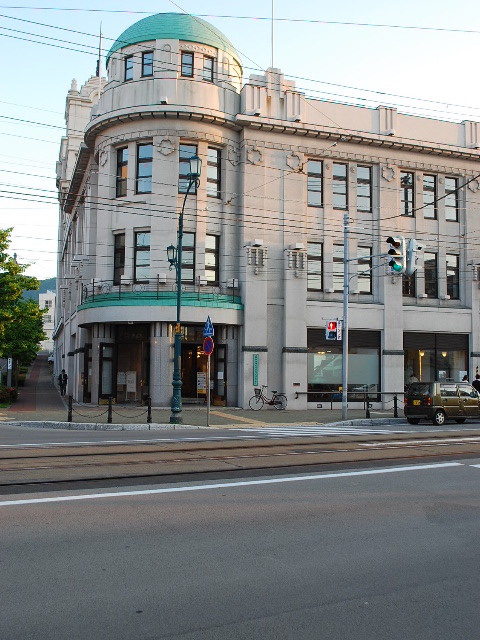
[419,389]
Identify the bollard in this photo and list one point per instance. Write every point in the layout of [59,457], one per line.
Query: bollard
[70,409]
[149,410]
[395,406]
[368,408]
[109,418]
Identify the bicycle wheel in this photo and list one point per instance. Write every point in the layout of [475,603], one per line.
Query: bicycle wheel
[256,403]
[280,401]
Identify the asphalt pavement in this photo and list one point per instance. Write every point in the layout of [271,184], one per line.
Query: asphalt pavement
[40,402]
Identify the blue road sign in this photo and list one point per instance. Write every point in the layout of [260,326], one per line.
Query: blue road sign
[208,329]
[208,346]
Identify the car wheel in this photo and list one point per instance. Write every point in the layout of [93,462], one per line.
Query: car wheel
[460,420]
[439,418]
[413,420]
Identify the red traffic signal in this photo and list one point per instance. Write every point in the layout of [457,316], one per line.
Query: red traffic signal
[331,330]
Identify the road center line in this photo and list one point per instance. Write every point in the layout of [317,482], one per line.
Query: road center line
[229,485]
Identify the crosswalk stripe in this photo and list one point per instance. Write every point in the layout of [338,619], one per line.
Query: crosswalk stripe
[319,431]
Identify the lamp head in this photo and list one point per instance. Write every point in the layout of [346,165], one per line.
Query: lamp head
[195,167]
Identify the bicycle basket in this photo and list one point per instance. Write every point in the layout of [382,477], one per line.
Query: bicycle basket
[258,392]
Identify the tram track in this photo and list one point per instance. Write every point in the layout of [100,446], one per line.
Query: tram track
[94,462]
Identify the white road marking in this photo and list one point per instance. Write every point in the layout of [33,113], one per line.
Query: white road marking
[229,485]
[433,440]
[323,431]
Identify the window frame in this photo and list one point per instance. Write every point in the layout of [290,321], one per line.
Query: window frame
[147,160]
[118,257]
[337,189]
[405,191]
[364,275]
[453,286]
[211,166]
[184,162]
[215,269]
[429,190]
[128,68]
[313,178]
[448,194]
[186,251]
[139,249]
[362,182]
[409,286]
[208,73]
[431,281]
[314,259]
[184,65]
[148,64]
[121,179]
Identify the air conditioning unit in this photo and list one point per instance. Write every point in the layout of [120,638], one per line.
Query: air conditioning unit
[257,243]
[161,278]
[298,246]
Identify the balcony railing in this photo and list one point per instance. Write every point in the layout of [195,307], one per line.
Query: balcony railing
[105,290]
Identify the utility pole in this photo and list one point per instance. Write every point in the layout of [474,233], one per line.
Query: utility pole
[345,318]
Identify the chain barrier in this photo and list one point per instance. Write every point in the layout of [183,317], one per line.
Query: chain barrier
[82,415]
[109,411]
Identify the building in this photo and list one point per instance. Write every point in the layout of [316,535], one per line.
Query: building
[283,177]
[47,301]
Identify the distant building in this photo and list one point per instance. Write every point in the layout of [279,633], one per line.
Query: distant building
[263,245]
[47,301]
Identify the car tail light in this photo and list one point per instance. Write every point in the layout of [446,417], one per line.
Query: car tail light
[406,401]
[429,401]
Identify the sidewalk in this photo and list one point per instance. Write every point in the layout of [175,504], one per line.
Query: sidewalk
[40,401]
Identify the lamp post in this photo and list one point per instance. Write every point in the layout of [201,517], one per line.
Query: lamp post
[174,256]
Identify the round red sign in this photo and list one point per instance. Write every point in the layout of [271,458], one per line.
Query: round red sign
[208,346]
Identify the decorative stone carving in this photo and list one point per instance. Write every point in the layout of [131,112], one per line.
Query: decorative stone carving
[388,173]
[103,157]
[294,161]
[254,156]
[166,146]
[233,156]
[474,186]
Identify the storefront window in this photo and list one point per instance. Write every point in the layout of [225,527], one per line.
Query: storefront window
[324,362]
[430,357]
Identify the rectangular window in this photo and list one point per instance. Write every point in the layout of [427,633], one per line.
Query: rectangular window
[188,258]
[212,244]
[406,192]
[315,266]
[340,200]
[451,199]
[208,68]
[364,273]
[187,64]
[118,257]
[142,256]
[338,267]
[213,172]
[453,277]
[315,183]
[364,189]
[147,63]
[144,168]
[47,319]
[128,68]
[409,286]
[431,275]
[186,152]
[429,197]
[122,170]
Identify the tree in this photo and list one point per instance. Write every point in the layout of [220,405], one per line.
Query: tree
[21,327]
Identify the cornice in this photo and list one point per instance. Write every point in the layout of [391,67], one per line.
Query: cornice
[309,131]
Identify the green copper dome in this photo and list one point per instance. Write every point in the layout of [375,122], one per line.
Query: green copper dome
[174,26]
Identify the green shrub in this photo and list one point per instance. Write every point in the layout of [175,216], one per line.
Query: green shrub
[8,394]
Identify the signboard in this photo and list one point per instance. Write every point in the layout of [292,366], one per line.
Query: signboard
[131,381]
[121,377]
[208,329]
[208,346]
[255,369]
[201,382]
[9,363]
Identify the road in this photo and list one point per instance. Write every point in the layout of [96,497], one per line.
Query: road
[378,552]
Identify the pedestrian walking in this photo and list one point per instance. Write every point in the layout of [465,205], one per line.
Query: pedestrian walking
[62,382]
[476,383]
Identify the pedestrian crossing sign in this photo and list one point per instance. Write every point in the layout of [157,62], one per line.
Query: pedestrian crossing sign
[208,329]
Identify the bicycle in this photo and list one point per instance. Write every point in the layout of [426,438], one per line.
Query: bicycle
[278,400]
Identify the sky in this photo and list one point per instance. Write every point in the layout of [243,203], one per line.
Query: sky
[417,55]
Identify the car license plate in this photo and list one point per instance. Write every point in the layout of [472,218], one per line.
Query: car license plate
[416,403]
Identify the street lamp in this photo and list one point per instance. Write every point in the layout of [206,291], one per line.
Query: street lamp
[174,256]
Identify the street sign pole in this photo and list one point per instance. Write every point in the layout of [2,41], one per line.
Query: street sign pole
[208,391]
[208,349]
